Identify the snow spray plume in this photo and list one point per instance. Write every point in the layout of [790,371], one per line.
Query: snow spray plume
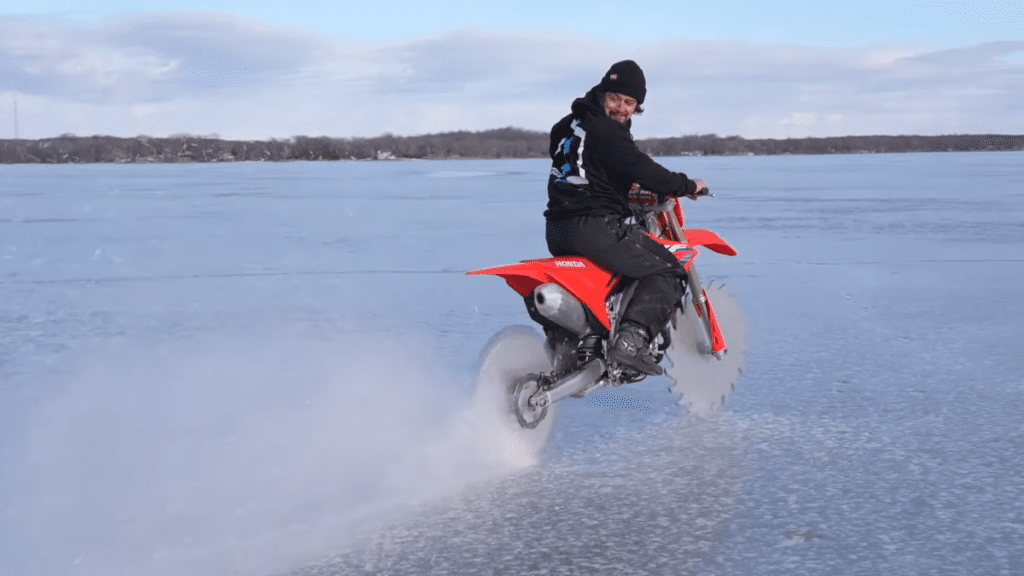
[228,456]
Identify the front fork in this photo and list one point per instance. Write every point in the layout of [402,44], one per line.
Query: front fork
[706,314]
[672,227]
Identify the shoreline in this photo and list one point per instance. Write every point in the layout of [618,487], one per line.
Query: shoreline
[505,143]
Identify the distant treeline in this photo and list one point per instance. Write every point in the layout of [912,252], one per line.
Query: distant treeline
[500,143]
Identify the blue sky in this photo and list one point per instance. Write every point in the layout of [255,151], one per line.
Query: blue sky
[810,23]
[260,70]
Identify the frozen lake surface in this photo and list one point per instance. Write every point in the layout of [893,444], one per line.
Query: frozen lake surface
[255,368]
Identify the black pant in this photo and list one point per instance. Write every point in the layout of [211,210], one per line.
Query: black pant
[626,250]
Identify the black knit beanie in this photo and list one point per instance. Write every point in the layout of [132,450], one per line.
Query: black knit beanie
[627,78]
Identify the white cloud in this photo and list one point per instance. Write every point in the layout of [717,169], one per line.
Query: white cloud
[165,73]
[883,56]
[799,119]
[1012,58]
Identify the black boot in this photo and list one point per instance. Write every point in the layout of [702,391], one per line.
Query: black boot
[632,348]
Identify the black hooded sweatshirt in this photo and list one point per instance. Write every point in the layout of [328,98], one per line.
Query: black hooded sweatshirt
[594,163]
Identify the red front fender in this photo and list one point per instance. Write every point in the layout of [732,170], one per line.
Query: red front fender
[702,237]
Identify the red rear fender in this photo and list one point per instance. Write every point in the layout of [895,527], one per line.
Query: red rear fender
[587,281]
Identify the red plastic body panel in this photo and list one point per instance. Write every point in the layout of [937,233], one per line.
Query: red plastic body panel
[702,237]
[588,282]
[682,251]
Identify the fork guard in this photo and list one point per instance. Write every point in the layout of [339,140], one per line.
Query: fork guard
[717,339]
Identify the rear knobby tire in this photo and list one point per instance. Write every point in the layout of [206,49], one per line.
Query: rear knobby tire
[512,354]
[529,417]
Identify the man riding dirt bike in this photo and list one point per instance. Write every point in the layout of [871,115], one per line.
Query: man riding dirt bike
[611,300]
[595,165]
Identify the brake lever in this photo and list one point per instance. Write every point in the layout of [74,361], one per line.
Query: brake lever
[698,194]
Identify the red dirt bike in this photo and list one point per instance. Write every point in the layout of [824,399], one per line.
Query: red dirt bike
[579,305]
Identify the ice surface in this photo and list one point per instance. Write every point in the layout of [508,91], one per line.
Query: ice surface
[214,369]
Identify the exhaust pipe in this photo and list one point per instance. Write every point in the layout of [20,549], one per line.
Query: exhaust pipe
[558,305]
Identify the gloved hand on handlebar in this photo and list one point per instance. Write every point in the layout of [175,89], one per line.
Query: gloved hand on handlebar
[701,190]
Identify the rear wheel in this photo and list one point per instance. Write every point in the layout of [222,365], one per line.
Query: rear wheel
[510,357]
[528,416]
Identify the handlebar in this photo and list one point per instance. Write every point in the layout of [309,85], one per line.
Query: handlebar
[647,201]
[664,219]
